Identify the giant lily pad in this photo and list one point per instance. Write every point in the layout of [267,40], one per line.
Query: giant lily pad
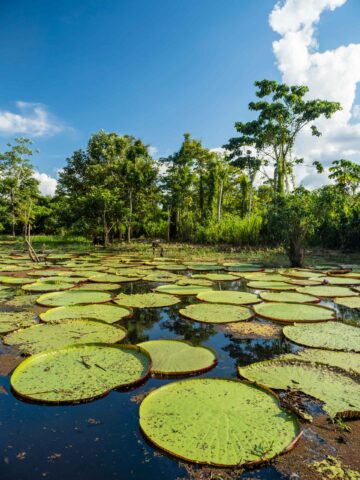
[42,337]
[174,357]
[326,291]
[264,285]
[217,422]
[329,335]
[216,313]
[22,301]
[182,289]
[217,277]
[205,267]
[294,312]
[146,300]
[105,313]
[195,281]
[47,286]
[339,390]
[288,297]
[349,302]
[229,297]
[16,280]
[10,321]
[79,372]
[72,297]
[99,287]
[349,361]
[341,281]
[162,277]
[110,278]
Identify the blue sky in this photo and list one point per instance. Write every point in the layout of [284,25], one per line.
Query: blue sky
[151,68]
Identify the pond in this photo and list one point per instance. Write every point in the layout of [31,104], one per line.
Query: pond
[102,439]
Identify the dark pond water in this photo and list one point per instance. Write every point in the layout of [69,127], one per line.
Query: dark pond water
[102,439]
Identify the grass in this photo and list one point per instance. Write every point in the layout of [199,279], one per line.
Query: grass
[185,251]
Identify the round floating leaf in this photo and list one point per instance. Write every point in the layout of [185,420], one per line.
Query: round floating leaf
[171,267]
[339,391]
[294,312]
[217,277]
[288,297]
[216,313]
[341,281]
[217,422]
[228,297]
[16,280]
[243,267]
[10,321]
[22,301]
[195,281]
[146,300]
[263,285]
[42,337]
[110,278]
[304,282]
[329,335]
[105,313]
[79,372]
[350,302]
[174,357]
[99,287]
[182,290]
[348,361]
[301,273]
[251,329]
[47,286]
[48,273]
[72,297]
[63,278]
[266,277]
[162,277]
[326,291]
[205,267]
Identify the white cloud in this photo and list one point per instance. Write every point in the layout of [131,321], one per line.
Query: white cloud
[47,184]
[32,119]
[331,75]
[153,150]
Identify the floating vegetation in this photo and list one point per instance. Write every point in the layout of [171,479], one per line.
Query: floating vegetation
[47,286]
[105,313]
[217,277]
[251,330]
[111,278]
[326,291]
[229,297]
[328,335]
[146,300]
[349,361]
[72,297]
[216,313]
[10,321]
[174,357]
[182,289]
[338,390]
[266,285]
[349,302]
[79,372]
[288,297]
[195,281]
[42,337]
[294,312]
[22,301]
[215,421]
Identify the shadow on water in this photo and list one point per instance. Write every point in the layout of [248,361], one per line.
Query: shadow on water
[102,439]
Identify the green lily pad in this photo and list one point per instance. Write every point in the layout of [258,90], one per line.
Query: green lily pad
[99,287]
[288,297]
[339,390]
[182,289]
[341,281]
[265,277]
[350,302]
[326,291]
[43,337]
[72,297]
[195,281]
[162,277]
[348,361]
[217,277]
[22,301]
[328,335]
[205,267]
[47,286]
[263,285]
[10,321]
[174,357]
[105,313]
[146,300]
[216,313]
[110,278]
[217,421]
[294,312]
[228,297]
[171,267]
[16,280]
[79,373]
[48,273]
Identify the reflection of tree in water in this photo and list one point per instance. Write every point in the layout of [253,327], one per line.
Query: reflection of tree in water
[193,332]
[142,320]
[250,350]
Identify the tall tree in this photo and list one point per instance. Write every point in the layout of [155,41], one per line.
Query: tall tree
[282,112]
[346,175]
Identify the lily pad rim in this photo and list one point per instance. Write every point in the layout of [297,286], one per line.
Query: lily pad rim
[247,307]
[297,320]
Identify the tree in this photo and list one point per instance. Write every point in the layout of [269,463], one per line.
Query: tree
[346,175]
[270,138]
[18,187]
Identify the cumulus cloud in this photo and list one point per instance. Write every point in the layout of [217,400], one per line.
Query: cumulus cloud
[31,119]
[331,75]
[47,184]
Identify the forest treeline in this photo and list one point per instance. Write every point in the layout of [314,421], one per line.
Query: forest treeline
[244,193]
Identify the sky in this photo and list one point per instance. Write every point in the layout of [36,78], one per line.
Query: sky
[156,69]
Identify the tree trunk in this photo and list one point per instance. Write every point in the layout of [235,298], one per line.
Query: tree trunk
[130,217]
[296,253]
[220,200]
[173,225]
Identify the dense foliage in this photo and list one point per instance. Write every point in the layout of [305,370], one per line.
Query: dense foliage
[242,194]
